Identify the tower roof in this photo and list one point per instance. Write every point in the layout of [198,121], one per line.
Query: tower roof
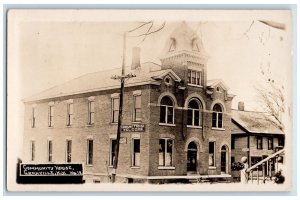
[183,38]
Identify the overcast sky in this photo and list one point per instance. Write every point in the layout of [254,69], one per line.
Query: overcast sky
[47,48]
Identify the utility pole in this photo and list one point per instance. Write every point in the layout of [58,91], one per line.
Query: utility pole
[122,78]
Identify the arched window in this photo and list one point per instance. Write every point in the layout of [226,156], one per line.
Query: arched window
[194,113]
[217,116]
[166,111]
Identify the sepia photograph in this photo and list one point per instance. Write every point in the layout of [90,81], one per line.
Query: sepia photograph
[149,100]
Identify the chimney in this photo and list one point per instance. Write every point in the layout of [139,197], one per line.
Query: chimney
[241,106]
[135,58]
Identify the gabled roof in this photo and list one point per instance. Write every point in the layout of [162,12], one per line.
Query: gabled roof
[163,73]
[102,80]
[253,122]
[214,82]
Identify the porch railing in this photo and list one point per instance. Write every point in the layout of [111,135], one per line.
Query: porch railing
[262,163]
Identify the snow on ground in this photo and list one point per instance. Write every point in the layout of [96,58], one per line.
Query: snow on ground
[121,187]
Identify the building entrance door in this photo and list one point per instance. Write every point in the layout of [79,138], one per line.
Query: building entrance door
[224,159]
[192,157]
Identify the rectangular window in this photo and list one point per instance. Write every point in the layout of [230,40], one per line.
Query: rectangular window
[91,113]
[89,152]
[136,152]
[68,151]
[33,118]
[70,112]
[137,109]
[232,142]
[50,116]
[211,152]
[195,77]
[32,150]
[49,150]
[281,141]
[270,143]
[259,142]
[166,152]
[115,110]
[256,159]
[113,144]
[232,159]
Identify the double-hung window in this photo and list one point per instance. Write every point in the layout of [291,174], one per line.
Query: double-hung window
[33,117]
[70,112]
[259,142]
[194,113]
[89,160]
[115,109]
[50,115]
[217,116]
[32,150]
[270,143]
[194,77]
[69,151]
[91,112]
[137,114]
[166,111]
[166,152]
[211,154]
[112,155]
[136,151]
[49,148]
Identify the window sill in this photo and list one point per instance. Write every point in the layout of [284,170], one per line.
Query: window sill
[135,167]
[68,126]
[89,165]
[164,124]
[50,127]
[212,168]
[218,129]
[114,123]
[194,85]
[197,127]
[165,168]
[110,166]
[90,125]
[138,122]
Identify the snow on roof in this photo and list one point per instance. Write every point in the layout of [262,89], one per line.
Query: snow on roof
[102,80]
[255,122]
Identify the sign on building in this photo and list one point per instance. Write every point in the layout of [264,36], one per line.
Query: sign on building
[133,128]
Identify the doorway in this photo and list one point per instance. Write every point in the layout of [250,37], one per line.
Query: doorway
[224,159]
[192,157]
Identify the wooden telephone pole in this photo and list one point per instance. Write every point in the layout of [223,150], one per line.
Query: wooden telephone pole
[122,78]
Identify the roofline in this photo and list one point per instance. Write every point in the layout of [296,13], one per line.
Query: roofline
[239,125]
[171,54]
[26,100]
[217,81]
[252,132]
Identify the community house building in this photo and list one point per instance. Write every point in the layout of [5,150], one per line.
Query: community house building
[176,122]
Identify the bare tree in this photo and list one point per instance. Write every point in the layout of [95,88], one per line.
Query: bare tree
[271,97]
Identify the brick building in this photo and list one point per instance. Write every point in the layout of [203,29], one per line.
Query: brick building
[255,137]
[175,121]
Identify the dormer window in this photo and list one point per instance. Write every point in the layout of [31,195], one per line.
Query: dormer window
[173,45]
[194,77]
[195,46]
